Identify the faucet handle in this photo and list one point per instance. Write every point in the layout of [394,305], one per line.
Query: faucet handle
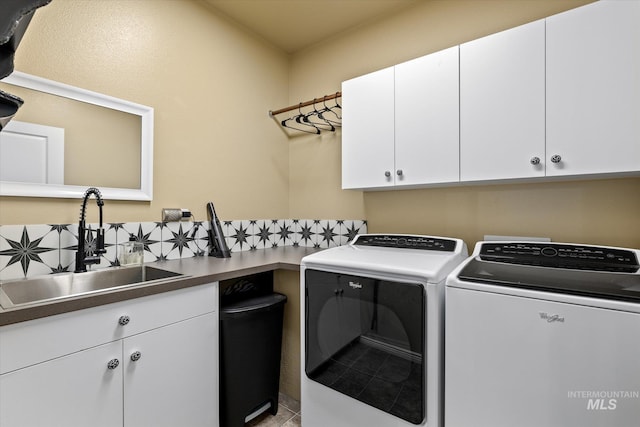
[95,259]
[100,242]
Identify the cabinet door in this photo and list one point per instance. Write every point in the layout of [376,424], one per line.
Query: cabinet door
[74,390]
[593,89]
[427,119]
[174,382]
[502,105]
[367,130]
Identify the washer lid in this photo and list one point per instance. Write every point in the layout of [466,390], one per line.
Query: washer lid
[597,284]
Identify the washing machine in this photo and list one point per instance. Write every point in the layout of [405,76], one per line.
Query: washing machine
[543,334]
[372,331]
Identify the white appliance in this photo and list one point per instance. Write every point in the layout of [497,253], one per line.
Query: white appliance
[543,334]
[372,331]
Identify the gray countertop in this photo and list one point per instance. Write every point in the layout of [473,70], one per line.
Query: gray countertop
[197,271]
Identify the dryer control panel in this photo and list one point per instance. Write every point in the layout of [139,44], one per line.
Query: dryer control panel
[561,256]
[405,241]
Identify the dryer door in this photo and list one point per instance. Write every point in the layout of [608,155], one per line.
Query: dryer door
[365,338]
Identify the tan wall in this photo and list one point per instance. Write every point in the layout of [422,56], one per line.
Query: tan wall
[288,283]
[210,83]
[598,212]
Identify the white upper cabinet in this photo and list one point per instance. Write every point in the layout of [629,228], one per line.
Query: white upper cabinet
[368,130]
[400,124]
[555,97]
[593,89]
[502,116]
[427,142]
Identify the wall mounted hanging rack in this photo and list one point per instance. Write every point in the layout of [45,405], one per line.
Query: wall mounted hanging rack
[318,116]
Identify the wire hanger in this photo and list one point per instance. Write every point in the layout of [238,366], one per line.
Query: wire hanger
[297,118]
[326,109]
[335,99]
[325,124]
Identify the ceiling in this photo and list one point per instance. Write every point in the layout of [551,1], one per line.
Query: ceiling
[293,25]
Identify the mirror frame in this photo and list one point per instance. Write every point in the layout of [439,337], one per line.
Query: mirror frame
[144,193]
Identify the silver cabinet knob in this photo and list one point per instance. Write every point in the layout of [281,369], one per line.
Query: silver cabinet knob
[123,320]
[387,174]
[535,160]
[556,158]
[135,356]
[113,364]
[399,172]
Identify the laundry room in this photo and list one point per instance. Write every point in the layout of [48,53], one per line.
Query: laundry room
[299,121]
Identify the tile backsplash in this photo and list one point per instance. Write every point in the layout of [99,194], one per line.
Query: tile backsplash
[32,250]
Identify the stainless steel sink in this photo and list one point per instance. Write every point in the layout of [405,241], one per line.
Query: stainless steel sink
[66,285]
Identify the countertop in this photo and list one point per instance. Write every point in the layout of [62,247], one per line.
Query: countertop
[197,271]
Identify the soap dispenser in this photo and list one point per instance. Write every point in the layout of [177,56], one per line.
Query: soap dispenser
[131,252]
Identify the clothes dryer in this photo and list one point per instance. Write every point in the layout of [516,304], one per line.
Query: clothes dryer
[372,331]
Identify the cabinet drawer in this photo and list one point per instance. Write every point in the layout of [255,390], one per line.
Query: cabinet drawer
[27,343]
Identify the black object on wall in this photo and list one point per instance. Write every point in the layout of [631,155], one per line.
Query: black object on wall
[15,16]
[217,245]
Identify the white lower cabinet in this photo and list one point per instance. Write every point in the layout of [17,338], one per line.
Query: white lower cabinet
[155,365]
[169,375]
[75,390]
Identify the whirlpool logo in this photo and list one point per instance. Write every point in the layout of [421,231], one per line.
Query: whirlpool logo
[355,285]
[550,318]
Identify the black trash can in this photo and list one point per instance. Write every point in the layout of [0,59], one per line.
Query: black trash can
[250,343]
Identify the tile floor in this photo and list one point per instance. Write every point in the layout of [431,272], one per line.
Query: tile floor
[288,415]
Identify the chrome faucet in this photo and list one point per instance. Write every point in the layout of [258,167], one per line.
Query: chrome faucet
[82,259]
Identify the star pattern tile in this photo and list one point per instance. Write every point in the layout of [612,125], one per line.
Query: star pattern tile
[144,238]
[25,251]
[264,234]
[28,250]
[240,236]
[305,234]
[351,232]
[59,228]
[284,233]
[328,234]
[180,240]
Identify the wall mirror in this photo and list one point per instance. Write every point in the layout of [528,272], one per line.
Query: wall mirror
[65,139]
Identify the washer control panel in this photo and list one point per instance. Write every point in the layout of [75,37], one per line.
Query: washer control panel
[561,256]
[405,242]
